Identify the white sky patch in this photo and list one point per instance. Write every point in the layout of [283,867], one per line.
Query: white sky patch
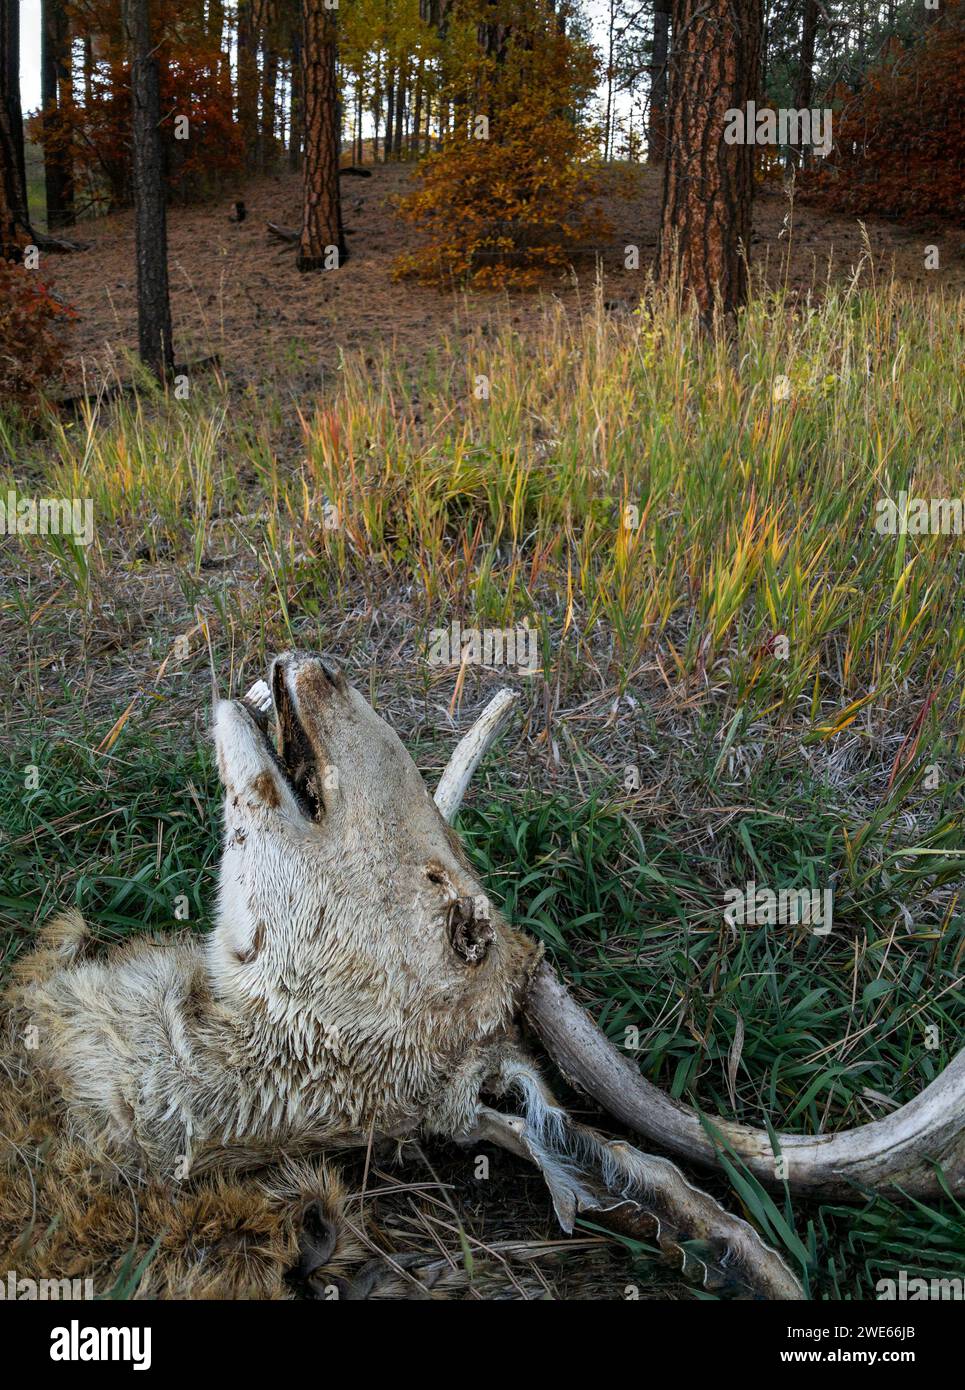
[30,54]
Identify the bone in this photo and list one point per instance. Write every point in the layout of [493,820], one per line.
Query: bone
[469,753]
[896,1152]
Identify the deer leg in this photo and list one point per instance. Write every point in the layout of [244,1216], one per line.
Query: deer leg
[633,1193]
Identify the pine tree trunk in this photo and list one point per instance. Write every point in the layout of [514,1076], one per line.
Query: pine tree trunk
[608,114]
[268,89]
[150,196]
[708,184]
[248,78]
[359,152]
[376,110]
[15,231]
[10,87]
[805,75]
[269,83]
[417,110]
[400,97]
[657,129]
[322,220]
[13,234]
[295,135]
[55,95]
[389,112]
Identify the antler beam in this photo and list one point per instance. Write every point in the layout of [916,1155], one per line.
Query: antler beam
[900,1151]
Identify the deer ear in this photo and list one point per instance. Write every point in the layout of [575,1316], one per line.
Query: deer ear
[470,931]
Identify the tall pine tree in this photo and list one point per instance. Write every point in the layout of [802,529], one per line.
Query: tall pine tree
[322,242]
[150,195]
[708,187]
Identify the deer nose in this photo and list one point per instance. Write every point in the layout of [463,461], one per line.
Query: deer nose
[295,665]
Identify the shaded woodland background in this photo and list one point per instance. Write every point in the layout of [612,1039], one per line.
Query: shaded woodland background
[513,120]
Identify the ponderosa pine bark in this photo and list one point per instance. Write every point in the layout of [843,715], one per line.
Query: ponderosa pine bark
[269,84]
[10,83]
[297,105]
[248,31]
[55,88]
[150,196]
[708,184]
[15,231]
[322,216]
[804,84]
[400,100]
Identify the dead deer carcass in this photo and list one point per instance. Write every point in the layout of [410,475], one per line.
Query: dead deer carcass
[358,982]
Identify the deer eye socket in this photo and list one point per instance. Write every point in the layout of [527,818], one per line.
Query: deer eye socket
[436,876]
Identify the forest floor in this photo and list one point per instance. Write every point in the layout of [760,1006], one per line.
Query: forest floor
[236,293]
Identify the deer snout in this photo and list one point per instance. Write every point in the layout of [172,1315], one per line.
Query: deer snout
[297,669]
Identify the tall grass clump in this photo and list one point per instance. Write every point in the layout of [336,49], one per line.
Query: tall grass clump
[634,486]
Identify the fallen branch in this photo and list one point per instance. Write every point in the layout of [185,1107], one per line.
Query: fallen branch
[286,234]
[59,246]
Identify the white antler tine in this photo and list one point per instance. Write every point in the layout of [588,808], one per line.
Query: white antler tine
[469,753]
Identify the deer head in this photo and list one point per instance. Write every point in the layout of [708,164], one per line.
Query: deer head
[349,924]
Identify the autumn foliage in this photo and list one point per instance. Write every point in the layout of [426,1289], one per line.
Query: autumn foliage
[508,194]
[195,83]
[898,142]
[31,322]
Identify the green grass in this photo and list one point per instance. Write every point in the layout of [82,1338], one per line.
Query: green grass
[640,938]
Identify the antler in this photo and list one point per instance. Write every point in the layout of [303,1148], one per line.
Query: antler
[901,1151]
[905,1150]
[469,752]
